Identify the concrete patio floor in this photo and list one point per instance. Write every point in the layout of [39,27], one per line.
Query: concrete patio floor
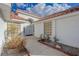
[38,49]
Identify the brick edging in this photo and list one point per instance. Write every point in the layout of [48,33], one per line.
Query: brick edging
[61,50]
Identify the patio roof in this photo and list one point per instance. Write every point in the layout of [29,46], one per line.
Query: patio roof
[71,10]
[68,11]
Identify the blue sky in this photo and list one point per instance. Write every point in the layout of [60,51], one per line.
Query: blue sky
[44,8]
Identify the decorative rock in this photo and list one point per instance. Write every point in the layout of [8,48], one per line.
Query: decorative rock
[57,46]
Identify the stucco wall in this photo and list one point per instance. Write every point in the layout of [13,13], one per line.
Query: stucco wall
[38,29]
[3,27]
[67,30]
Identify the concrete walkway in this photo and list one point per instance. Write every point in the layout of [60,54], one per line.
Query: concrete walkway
[38,49]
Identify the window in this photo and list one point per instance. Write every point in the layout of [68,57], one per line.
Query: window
[48,27]
[13,29]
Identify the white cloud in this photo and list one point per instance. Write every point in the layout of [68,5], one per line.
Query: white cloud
[39,7]
[43,10]
[66,6]
[21,5]
[48,9]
